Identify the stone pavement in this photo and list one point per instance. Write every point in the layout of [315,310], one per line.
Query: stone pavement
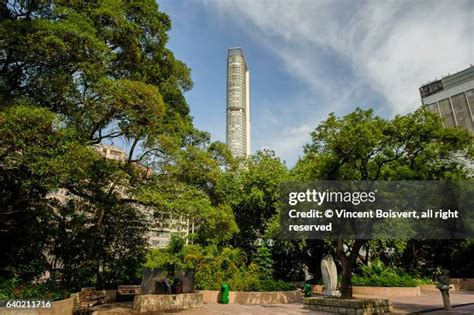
[241,309]
[427,303]
[125,308]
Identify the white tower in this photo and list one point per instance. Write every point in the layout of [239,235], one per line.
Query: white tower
[238,104]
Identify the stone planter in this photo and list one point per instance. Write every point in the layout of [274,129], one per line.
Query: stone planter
[348,306]
[167,302]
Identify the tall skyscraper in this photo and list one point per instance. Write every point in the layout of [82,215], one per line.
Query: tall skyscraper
[452,98]
[238,103]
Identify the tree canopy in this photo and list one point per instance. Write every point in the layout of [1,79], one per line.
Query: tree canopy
[79,74]
[362,146]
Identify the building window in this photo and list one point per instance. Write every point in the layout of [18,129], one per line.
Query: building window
[470,98]
[447,113]
[463,116]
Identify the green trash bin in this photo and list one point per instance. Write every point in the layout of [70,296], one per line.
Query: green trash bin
[308,290]
[224,299]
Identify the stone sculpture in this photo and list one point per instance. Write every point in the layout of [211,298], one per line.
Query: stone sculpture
[329,274]
[150,279]
[157,281]
[307,274]
[444,284]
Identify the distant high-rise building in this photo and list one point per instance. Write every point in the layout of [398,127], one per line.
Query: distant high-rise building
[111,152]
[452,98]
[160,225]
[238,104]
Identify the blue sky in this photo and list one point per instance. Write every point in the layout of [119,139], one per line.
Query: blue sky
[310,58]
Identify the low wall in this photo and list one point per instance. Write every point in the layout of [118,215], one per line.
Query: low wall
[167,302]
[456,285]
[109,296]
[60,307]
[239,297]
[63,307]
[428,288]
[463,284]
[387,291]
[380,291]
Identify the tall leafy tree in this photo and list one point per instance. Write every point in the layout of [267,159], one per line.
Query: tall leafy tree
[103,65]
[73,75]
[362,146]
[253,191]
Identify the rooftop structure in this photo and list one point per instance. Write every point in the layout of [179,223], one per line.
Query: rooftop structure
[452,98]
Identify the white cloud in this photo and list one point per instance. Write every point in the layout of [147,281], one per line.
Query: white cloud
[345,51]
[282,130]
[289,145]
[392,47]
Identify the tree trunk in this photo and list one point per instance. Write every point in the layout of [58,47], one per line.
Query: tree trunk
[346,282]
[347,264]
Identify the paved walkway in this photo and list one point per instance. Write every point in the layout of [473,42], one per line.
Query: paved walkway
[240,309]
[125,308]
[427,303]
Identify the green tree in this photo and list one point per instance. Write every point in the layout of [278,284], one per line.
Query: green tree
[424,257]
[48,230]
[76,74]
[362,146]
[23,188]
[291,257]
[193,185]
[264,261]
[253,192]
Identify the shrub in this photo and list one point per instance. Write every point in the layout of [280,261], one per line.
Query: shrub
[217,265]
[246,279]
[263,259]
[378,275]
[381,281]
[462,267]
[14,289]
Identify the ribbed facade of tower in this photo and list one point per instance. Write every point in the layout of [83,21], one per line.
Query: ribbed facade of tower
[238,104]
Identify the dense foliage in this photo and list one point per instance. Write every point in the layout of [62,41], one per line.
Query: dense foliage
[378,275]
[75,75]
[81,74]
[14,289]
[362,146]
[215,265]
